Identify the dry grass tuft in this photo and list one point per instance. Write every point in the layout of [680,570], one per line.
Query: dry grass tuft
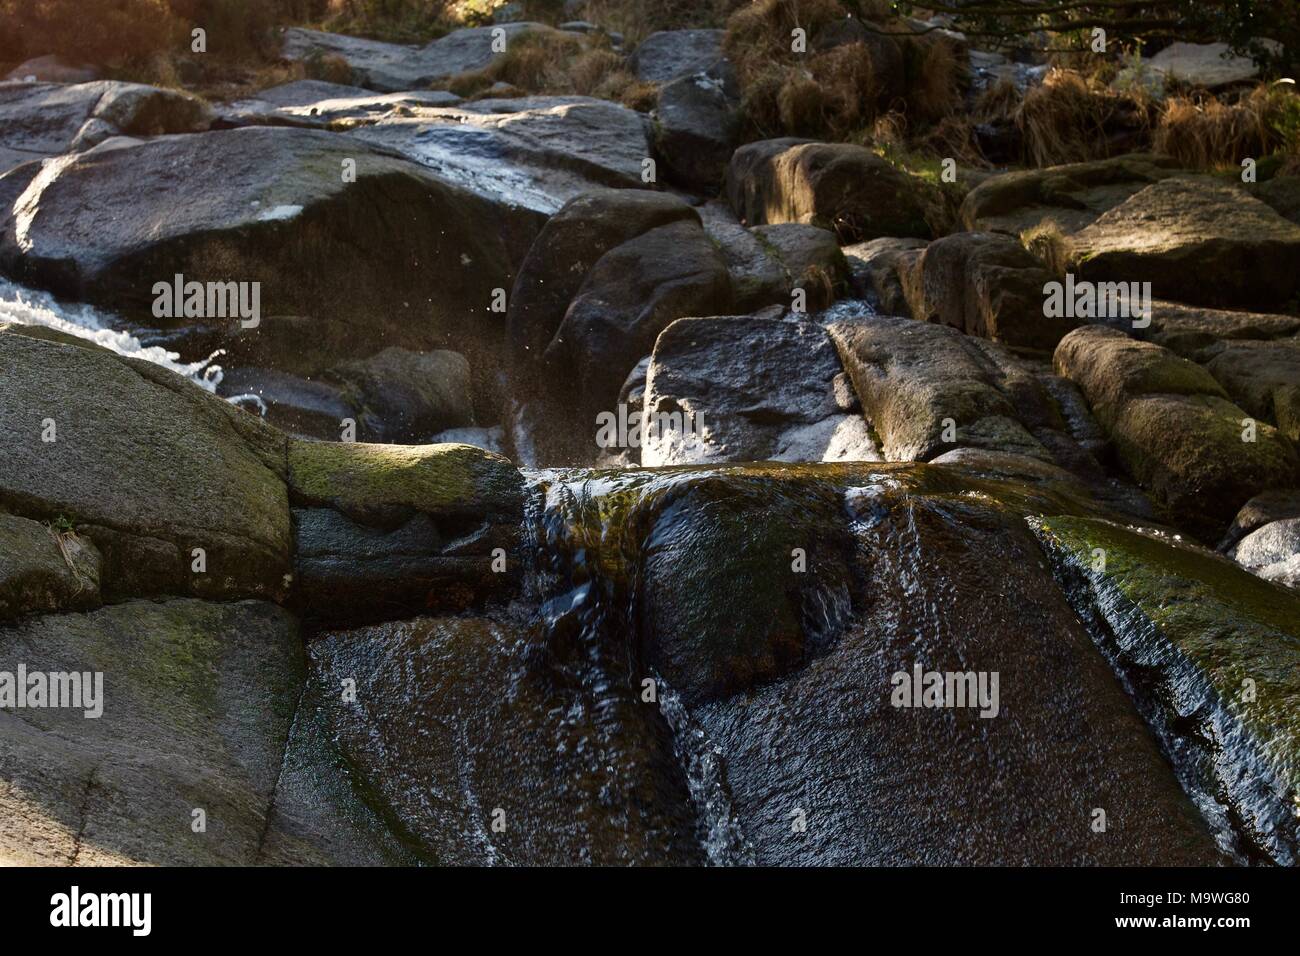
[1046,243]
[1066,119]
[1203,132]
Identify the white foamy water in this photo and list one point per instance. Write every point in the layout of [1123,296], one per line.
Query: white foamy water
[29,307]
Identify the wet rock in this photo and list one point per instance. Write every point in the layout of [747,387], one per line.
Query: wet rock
[1212,654]
[1264,379]
[838,186]
[38,120]
[1173,428]
[394,67]
[52,69]
[876,266]
[536,152]
[629,296]
[668,54]
[696,125]
[1195,240]
[407,396]
[1067,198]
[268,205]
[160,470]
[197,702]
[486,741]
[43,570]
[743,388]
[985,284]
[927,389]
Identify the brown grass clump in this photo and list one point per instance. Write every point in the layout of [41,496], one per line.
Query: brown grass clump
[1203,132]
[1067,120]
[1046,243]
[537,62]
[934,71]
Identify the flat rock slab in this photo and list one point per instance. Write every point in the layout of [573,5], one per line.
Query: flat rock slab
[317,104]
[535,152]
[394,67]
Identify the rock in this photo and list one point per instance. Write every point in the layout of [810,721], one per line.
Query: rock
[319,816]
[316,104]
[43,570]
[1261,510]
[407,396]
[587,227]
[1282,194]
[38,120]
[1201,65]
[838,186]
[299,406]
[927,389]
[985,284]
[752,389]
[696,125]
[489,439]
[163,468]
[393,67]
[1264,379]
[534,152]
[372,483]
[1272,551]
[767,263]
[1173,428]
[876,266]
[268,205]
[1196,241]
[52,69]
[197,702]
[708,650]
[484,734]
[813,657]
[1192,331]
[668,54]
[629,296]
[1195,627]
[1066,198]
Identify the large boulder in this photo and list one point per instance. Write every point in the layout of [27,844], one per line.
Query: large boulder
[1064,198]
[146,465]
[985,284]
[1213,655]
[838,186]
[197,699]
[1272,551]
[394,67]
[1196,240]
[269,205]
[1195,332]
[696,124]
[669,54]
[878,266]
[583,230]
[1264,379]
[1174,430]
[407,396]
[536,152]
[629,296]
[927,389]
[38,120]
[744,388]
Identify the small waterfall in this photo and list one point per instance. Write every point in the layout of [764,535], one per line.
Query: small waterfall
[25,306]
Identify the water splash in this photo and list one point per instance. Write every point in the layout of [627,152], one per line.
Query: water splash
[24,306]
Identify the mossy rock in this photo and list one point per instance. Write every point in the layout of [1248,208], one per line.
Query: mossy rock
[1213,655]
[368,482]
